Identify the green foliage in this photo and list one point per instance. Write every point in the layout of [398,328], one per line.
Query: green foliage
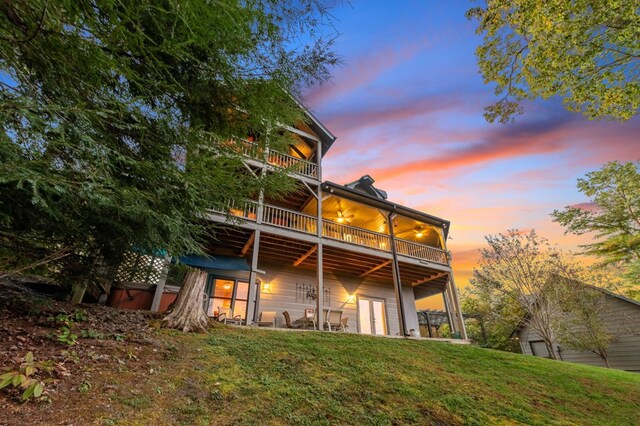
[494,318]
[117,116]
[612,215]
[585,52]
[23,379]
[584,326]
[66,336]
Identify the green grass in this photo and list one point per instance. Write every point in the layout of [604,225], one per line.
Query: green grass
[245,376]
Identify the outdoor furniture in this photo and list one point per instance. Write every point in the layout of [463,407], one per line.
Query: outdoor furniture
[267,319]
[289,323]
[345,324]
[226,316]
[333,320]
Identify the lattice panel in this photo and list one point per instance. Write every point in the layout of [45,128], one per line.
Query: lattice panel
[140,268]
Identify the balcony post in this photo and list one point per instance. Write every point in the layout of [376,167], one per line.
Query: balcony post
[319,227]
[455,300]
[397,282]
[253,288]
[447,308]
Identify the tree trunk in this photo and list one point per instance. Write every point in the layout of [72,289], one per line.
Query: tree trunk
[187,314]
[552,352]
[605,357]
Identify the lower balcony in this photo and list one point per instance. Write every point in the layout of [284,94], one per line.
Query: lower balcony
[306,224]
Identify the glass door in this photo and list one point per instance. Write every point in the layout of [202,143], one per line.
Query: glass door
[371,316]
[228,293]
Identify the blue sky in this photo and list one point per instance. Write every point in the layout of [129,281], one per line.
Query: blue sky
[407,108]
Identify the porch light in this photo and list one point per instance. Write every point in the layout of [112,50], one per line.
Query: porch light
[340,219]
[419,233]
[266,287]
[351,298]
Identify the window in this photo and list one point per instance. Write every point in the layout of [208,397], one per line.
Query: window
[228,293]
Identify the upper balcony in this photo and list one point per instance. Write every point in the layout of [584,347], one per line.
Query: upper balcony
[332,229]
[292,163]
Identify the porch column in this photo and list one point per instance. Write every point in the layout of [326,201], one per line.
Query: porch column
[456,302]
[447,308]
[397,282]
[319,227]
[253,290]
[157,296]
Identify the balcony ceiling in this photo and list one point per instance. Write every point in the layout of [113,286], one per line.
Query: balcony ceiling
[366,217]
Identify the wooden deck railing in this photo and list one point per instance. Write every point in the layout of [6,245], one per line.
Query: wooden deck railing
[357,236]
[420,251]
[300,222]
[246,210]
[275,158]
[297,165]
[289,219]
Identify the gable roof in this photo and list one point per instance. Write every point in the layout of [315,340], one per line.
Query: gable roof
[326,137]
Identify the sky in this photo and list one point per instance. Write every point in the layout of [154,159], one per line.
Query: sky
[406,107]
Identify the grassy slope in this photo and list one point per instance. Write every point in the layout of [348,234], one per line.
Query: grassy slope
[249,376]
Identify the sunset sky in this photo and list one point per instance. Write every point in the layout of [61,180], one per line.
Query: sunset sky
[407,107]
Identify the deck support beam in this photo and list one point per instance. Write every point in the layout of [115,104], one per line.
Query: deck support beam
[375,268]
[247,245]
[304,256]
[447,307]
[429,278]
[397,281]
[319,263]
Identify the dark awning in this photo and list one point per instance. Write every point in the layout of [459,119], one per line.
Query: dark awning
[218,262]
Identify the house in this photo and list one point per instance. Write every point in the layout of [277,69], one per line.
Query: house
[621,317]
[325,247]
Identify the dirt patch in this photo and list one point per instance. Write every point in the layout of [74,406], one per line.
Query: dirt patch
[74,347]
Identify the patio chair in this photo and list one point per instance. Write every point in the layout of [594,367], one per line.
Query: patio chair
[345,324]
[225,315]
[289,323]
[333,320]
[267,319]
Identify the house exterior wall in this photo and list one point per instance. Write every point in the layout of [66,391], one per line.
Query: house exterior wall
[281,296]
[624,353]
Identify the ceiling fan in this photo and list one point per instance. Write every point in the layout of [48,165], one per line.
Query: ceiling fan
[343,218]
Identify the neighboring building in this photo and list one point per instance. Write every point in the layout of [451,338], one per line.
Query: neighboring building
[622,316]
[344,248]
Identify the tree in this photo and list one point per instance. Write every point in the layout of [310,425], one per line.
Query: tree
[612,214]
[518,266]
[585,52]
[117,116]
[583,327]
[496,316]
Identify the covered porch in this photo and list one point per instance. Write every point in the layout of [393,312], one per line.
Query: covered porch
[357,291]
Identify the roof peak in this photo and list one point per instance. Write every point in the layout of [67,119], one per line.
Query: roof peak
[365,185]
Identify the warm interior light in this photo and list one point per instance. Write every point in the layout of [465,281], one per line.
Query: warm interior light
[227,286]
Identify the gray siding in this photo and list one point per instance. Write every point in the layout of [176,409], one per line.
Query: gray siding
[624,353]
[282,294]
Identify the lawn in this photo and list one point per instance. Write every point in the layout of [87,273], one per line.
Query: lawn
[237,375]
[243,376]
